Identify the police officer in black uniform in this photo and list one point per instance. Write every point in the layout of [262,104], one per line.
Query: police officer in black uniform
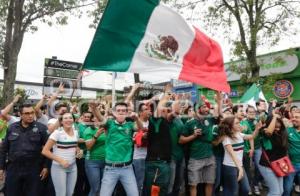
[22,147]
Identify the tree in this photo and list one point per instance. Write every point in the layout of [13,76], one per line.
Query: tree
[18,17]
[258,23]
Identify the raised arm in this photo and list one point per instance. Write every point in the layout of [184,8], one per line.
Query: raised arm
[93,106]
[218,108]
[10,106]
[38,106]
[131,94]
[55,94]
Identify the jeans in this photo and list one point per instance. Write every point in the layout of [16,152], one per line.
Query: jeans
[257,175]
[217,184]
[113,174]
[253,180]
[139,171]
[289,180]
[231,184]
[176,177]
[274,183]
[64,180]
[94,171]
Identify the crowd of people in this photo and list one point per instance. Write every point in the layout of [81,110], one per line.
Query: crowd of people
[160,146]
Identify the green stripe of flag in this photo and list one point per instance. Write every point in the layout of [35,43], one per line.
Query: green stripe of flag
[67,143]
[119,33]
[238,144]
[252,92]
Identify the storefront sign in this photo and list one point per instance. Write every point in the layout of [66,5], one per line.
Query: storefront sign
[283,89]
[59,64]
[234,93]
[181,84]
[283,62]
[66,72]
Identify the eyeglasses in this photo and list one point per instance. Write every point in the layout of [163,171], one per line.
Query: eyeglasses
[28,113]
[124,110]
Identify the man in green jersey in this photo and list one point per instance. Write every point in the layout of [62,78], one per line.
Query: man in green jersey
[202,164]
[294,153]
[118,152]
[252,148]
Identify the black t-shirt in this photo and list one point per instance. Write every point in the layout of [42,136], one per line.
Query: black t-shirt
[278,150]
[159,140]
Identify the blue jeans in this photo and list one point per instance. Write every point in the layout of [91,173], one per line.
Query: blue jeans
[113,174]
[219,161]
[94,171]
[289,180]
[64,180]
[176,177]
[231,184]
[139,171]
[253,180]
[274,183]
[257,175]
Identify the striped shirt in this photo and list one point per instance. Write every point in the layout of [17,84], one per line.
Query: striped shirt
[65,146]
[238,148]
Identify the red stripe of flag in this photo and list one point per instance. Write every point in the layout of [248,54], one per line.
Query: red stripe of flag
[203,64]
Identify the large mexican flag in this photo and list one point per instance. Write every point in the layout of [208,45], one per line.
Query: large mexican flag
[144,36]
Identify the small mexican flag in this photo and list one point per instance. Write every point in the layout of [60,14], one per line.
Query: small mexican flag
[145,36]
[252,95]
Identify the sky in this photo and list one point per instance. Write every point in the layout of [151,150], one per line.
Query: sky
[71,43]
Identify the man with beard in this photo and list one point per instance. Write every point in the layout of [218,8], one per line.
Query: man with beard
[294,153]
[159,148]
[202,164]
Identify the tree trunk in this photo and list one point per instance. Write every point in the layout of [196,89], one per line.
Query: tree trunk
[9,78]
[254,66]
[13,42]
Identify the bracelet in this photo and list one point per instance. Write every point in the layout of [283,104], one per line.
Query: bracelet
[95,137]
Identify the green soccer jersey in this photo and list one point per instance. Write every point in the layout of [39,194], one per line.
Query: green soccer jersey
[119,144]
[81,127]
[249,127]
[97,152]
[219,149]
[3,128]
[176,129]
[294,144]
[200,147]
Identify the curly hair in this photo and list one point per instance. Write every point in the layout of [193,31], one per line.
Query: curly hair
[226,127]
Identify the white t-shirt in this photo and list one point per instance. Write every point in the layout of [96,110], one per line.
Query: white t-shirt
[238,148]
[141,152]
[43,119]
[65,146]
[13,119]
[52,121]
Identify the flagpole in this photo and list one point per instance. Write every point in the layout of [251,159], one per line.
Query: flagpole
[113,91]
